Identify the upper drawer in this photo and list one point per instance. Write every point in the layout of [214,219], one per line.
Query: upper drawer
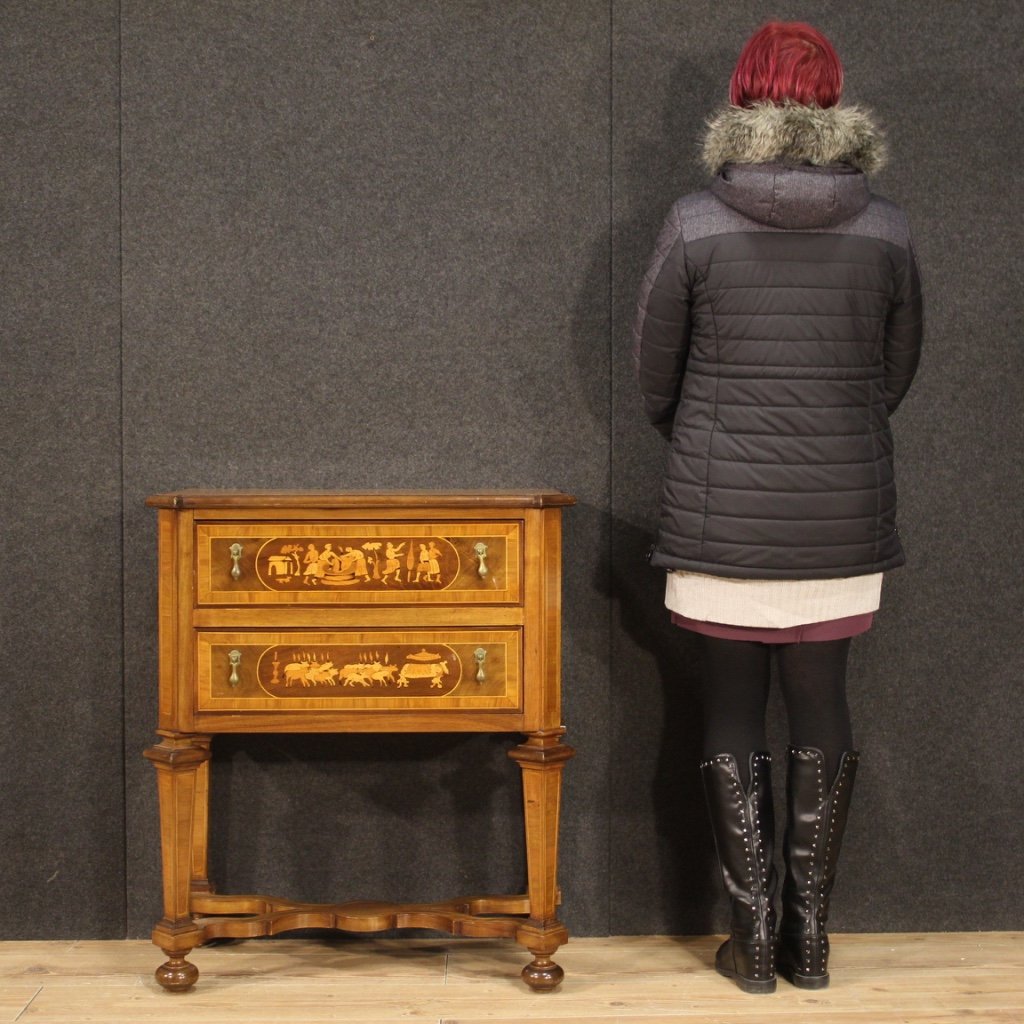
[367,563]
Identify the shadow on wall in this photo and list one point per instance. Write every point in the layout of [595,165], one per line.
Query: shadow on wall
[658,725]
[353,830]
[663,878]
[666,884]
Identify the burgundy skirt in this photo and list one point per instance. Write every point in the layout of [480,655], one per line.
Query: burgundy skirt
[831,629]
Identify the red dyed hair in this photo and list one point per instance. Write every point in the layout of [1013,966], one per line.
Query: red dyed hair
[787,60]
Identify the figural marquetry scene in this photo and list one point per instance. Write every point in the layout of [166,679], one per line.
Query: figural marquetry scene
[434,561]
[324,670]
[392,564]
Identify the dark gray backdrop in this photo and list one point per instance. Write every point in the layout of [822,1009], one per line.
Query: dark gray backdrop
[354,244]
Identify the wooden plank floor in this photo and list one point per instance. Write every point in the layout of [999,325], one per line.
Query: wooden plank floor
[876,979]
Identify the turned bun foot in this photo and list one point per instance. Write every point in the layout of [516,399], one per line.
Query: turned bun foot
[543,974]
[177,975]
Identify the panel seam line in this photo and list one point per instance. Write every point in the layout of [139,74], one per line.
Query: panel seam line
[611,435]
[121,407]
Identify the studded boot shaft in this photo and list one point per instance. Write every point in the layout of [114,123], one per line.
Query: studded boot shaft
[815,821]
[743,824]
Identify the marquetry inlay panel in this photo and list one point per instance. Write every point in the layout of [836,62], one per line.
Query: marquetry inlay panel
[361,563]
[450,670]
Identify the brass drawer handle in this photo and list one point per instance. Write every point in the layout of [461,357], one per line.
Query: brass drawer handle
[236,554]
[480,654]
[480,550]
[235,659]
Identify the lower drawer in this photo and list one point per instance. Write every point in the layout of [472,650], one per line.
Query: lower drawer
[438,670]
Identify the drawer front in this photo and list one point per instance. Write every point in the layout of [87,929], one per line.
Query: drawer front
[451,670]
[386,563]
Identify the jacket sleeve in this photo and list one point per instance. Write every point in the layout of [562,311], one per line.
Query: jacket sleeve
[661,328]
[904,327]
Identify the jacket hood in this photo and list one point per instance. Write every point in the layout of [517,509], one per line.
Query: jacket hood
[793,166]
[797,198]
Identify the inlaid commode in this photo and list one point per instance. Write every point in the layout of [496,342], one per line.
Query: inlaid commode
[342,612]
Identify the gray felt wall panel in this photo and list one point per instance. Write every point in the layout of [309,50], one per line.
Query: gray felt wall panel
[396,245]
[62,814]
[932,685]
[357,254]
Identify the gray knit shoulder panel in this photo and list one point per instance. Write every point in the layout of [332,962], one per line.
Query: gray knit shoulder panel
[703,215]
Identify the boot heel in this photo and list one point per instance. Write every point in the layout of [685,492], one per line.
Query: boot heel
[805,981]
[808,981]
[748,985]
[750,964]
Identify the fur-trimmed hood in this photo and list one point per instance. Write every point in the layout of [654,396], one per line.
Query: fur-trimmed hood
[793,134]
[792,166]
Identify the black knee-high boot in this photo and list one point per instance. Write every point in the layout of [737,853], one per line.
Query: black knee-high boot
[815,821]
[743,823]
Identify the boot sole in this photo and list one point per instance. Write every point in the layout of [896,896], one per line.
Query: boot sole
[749,985]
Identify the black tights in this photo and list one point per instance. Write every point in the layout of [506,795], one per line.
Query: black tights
[813,679]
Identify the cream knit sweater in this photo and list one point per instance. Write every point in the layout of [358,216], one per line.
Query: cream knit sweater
[770,604]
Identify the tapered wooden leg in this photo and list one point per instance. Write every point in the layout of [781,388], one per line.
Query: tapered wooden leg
[178,760]
[542,758]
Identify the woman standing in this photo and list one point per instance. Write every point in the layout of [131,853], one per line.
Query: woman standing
[778,328]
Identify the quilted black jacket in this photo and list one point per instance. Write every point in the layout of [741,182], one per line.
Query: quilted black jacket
[778,328]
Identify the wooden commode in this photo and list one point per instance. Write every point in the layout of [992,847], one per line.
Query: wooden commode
[343,612]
